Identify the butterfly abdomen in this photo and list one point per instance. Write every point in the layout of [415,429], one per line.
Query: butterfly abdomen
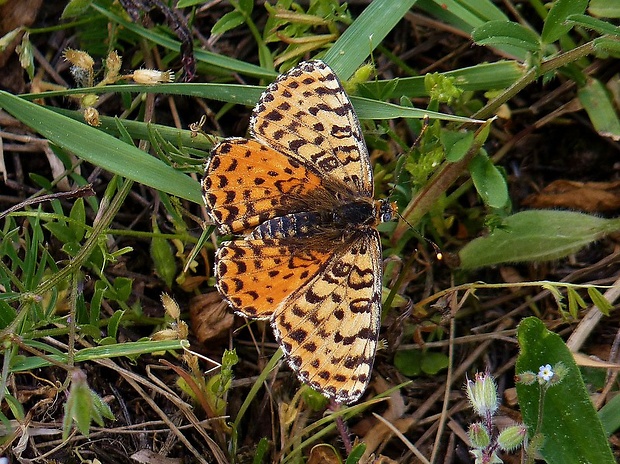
[291,225]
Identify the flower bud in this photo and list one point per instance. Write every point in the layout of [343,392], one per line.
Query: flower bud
[512,437]
[91,116]
[79,58]
[482,394]
[151,76]
[526,378]
[479,435]
[112,65]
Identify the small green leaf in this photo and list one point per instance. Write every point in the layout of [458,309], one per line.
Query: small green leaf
[246,6]
[78,405]
[75,8]
[227,22]
[17,409]
[575,302]
[556,294]
[555,22]
[101,409]
[536,235]
[78,214]
[506,33]
[26,58]
[7,315]
[41,181]
[188,3]
[9,37]
[610,415]
[260,454]
[600,301]
[433,362]
[62,232]
[121,289]
[356,453]
[602,27]
[114,322]
[456,144]
[409,362]
[571,429]
[489,182]
[600,108]
[163,257]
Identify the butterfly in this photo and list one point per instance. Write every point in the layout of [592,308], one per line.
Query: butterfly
[306,254]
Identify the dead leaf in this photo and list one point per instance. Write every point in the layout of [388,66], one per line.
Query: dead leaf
[323,454]
[584,196]
[151,457]
[210,317]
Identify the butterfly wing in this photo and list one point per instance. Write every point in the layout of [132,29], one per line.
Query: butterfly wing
[328,328]
[256,275]
[307,115]
[247,183]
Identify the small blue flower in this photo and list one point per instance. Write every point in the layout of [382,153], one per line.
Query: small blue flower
[545,373]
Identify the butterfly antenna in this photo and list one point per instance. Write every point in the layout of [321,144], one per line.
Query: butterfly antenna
[400,164]
[400,167]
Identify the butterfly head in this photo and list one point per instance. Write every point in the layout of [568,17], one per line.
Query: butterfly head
[386,210]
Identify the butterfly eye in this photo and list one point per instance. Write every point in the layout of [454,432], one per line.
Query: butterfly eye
[387,210]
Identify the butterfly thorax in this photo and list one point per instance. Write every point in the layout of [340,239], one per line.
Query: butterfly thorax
[360,213]
[343,219]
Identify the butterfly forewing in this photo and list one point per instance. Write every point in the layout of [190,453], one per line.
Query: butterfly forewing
[306,115]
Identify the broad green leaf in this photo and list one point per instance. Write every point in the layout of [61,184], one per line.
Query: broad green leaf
[413,363]
[408,362]
[598,25]
[555,22]
[604,9]
[506,32]
[572,432]
[536,235]
[433,362]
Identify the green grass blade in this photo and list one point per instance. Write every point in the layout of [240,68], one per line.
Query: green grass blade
[101,149]
[131,349]
[213,59]
[482,77]
[364,35]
